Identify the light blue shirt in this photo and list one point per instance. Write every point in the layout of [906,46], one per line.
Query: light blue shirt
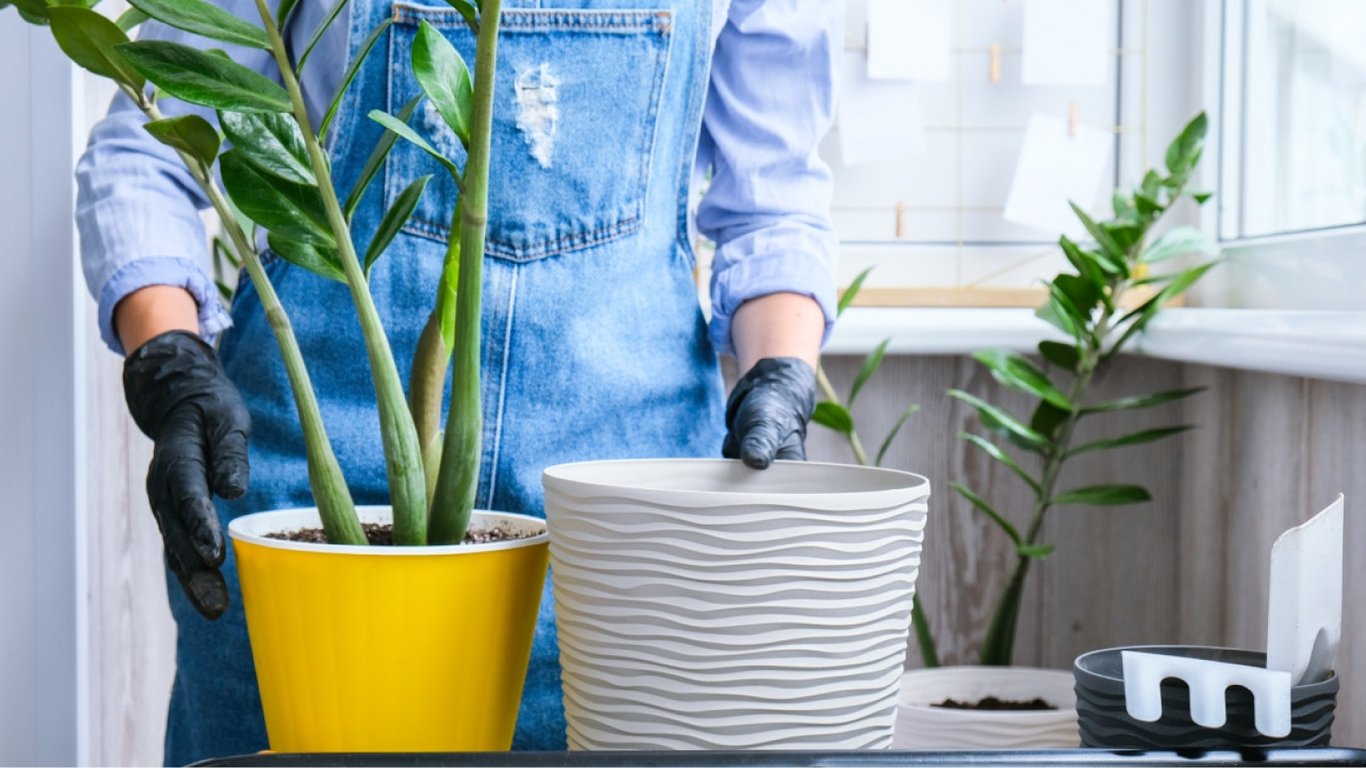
[767,206]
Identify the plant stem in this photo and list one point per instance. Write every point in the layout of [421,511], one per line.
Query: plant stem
[998,646]
[458,480]
[330,492]
[828,391]
[403,455]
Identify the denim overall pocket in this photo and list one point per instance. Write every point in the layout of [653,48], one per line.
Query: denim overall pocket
[574,121]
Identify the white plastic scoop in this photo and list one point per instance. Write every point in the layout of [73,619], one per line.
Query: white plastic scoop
[1304,625]
[1304,620]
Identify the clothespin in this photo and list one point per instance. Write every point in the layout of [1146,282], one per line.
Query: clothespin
[901,220]
[995,62]
[1073,117]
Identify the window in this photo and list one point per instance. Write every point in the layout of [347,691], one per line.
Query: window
[1295,128]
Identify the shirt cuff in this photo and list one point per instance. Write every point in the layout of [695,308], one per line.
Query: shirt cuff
[762,274]
[162,270]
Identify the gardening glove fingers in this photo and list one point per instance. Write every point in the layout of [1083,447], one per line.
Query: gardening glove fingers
[180,397]
[177,485]
[768,410]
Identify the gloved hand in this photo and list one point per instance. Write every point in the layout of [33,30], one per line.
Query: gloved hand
[768,410]
[180,397]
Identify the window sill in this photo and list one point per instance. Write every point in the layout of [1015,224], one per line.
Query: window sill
[1328,345]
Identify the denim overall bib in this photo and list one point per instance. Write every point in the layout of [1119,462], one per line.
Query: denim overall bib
[593,342]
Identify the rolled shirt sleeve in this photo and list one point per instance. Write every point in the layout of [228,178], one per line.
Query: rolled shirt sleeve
[770,102]
[137,207]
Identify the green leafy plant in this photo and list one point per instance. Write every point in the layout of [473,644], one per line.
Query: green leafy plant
[1089,306]
[833,413]
[277,178]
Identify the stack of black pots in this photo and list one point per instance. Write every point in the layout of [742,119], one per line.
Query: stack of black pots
[1105,723]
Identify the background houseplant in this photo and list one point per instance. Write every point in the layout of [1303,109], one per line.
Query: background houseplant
[278,176]
[1089,306]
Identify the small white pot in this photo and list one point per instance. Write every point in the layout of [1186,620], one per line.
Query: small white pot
[920,725]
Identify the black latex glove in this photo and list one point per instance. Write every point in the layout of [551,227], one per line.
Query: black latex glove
[768,410]
[180,397]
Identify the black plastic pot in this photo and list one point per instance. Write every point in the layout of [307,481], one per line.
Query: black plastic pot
[1105,724]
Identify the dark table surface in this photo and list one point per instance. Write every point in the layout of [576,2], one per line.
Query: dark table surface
[778,759]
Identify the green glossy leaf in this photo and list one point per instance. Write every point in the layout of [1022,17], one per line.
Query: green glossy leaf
[1184,151]
[1142,401]
[870,366]
[188,133]
[204,18]
[850,293]
[350,75]
[291,211]
[1083,293]
[1147,206]
[1019,374]
[283,12]
[316,259]
[1035,551]
[203,78]
[1104,495]
[271,142]
[130,19]
[1124,206]
[318,33]
[1145,312]
[444,78]
[88,39]
[1001,422]
[995,452]
[1047,419]
[1137,438]
[1109,248]
[394,219]
[1180,241]
[1202,197]
[1062,355]
[1125,234]
[833,416]
[86,4]
[376,161]
[1151,185]
[407,133]
[892,433]
[32,11]
[1087,263]
[990,511]
[468,11]
[1063,313]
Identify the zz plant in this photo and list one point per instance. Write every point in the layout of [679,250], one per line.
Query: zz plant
[1089,306]
[278,176]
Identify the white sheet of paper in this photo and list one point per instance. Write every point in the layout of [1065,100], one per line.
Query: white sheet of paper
[878,120]
[1055,168]
[908,40]
[1066,42]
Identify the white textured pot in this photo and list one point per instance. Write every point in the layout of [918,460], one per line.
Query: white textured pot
[919,725]
[703,605]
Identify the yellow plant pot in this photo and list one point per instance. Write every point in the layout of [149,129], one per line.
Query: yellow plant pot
[389,649]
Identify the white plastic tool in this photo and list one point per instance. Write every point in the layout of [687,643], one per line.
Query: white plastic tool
[1207,680]
[1304,625]
[1304,619]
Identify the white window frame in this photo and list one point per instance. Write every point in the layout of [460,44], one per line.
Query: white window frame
[1321,269]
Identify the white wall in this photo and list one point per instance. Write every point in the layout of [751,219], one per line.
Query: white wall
[39,458]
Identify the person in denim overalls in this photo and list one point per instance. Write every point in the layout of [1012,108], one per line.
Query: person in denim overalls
[594,345]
